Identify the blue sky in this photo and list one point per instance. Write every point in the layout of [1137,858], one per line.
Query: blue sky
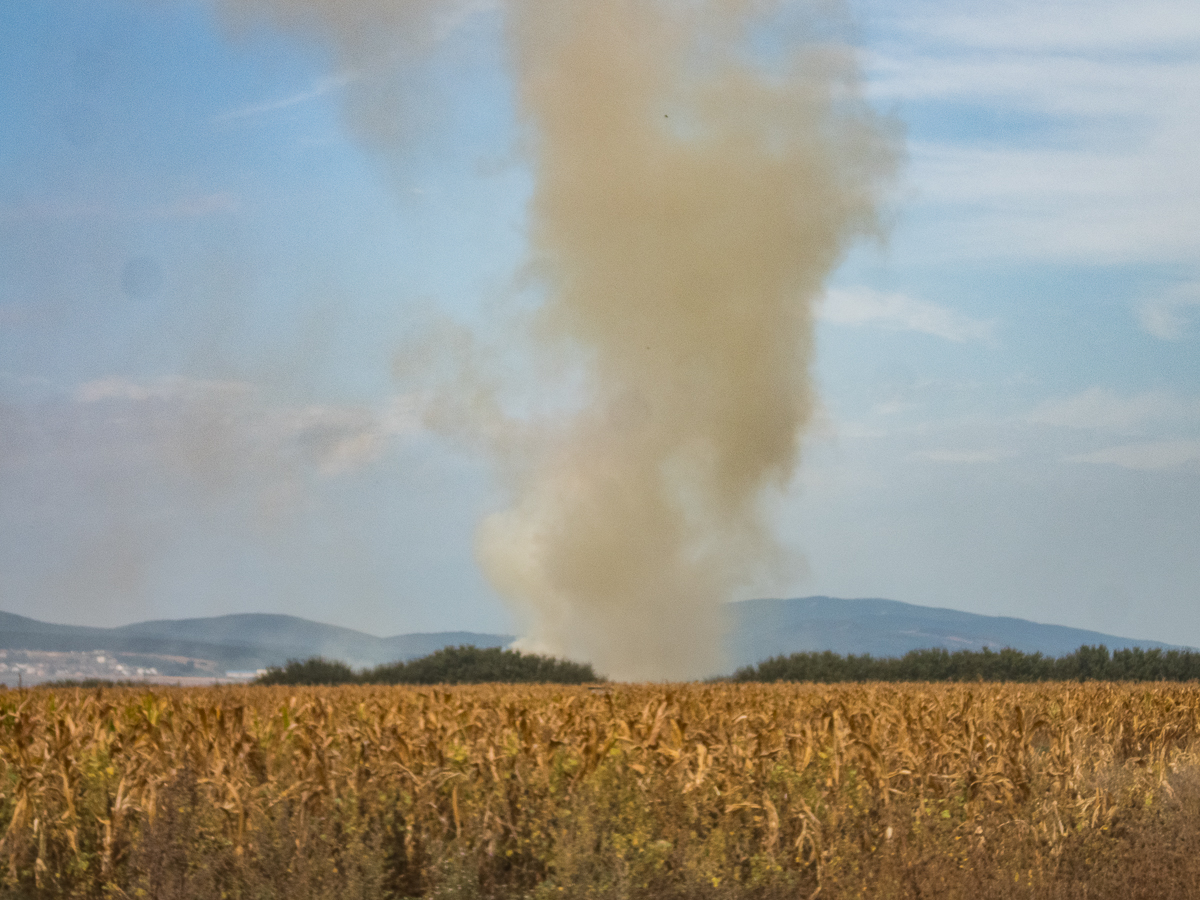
[209,267]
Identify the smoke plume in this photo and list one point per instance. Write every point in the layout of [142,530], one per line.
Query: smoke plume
[700,167]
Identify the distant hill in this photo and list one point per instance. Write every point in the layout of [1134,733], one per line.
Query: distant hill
[289,637]
[237,642]
[766,628]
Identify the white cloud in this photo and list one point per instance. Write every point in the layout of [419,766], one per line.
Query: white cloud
[1103,410]
[1150,456]
[220,428]
[855,431]
[1170,315]
[1091,154]
[862,306]
[964,457]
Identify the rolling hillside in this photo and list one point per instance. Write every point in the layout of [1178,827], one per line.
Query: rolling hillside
[227,643]
[765,628]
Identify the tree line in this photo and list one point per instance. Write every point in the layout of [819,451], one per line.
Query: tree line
[1085,664]
[451,665]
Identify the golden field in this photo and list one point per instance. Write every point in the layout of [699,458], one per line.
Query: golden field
[911,790]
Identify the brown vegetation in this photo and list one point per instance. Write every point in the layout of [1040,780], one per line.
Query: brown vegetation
[689,791]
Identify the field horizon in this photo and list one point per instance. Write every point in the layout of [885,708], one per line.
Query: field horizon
[212,647]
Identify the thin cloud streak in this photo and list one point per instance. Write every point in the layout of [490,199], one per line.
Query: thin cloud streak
[1099,409]
[1149,456]
[1079,205]
[321,87]
[865,307]
[964,457]
[123,389]
[1143,90]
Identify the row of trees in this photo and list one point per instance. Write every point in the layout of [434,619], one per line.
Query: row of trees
[1085,664]
[471,665]
[452,665]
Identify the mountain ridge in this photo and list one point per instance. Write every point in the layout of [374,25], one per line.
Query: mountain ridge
[777,627]
[759,630]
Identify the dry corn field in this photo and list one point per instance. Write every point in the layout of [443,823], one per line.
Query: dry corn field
[1081,790]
